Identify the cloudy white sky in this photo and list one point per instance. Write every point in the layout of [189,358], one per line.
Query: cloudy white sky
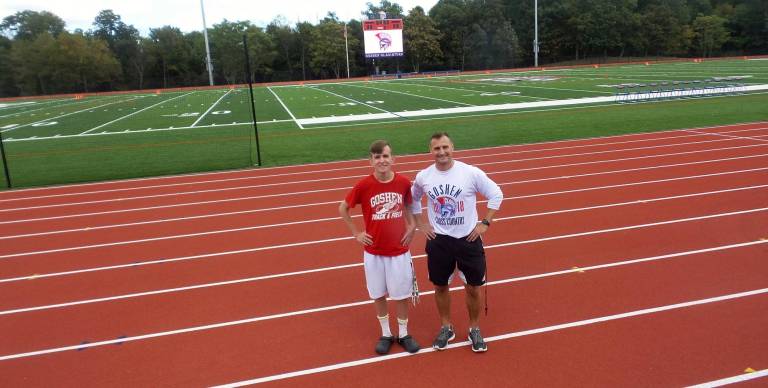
[185,14]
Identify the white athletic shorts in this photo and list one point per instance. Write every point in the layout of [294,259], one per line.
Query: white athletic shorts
[389,275]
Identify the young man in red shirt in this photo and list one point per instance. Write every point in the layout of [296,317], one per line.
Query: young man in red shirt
[389,227]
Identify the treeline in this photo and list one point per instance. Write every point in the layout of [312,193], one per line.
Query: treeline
[39,56]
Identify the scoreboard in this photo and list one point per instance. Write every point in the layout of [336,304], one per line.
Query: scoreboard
[383,38]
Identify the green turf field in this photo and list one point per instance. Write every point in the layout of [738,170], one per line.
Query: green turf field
[131,135]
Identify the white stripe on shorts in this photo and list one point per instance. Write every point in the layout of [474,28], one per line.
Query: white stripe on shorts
[388,275]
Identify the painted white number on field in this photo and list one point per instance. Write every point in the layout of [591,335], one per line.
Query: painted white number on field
[45,124]
[374,102]
[190,114]
[221,112]
[9,126]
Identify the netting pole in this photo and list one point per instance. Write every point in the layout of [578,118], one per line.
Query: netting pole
[5,162]
[253,104]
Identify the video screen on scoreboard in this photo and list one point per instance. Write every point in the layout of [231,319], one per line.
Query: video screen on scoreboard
[383,38]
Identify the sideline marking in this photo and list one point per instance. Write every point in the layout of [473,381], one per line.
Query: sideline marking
[723,135]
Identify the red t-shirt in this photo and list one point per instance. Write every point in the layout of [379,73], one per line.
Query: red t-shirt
[384,212]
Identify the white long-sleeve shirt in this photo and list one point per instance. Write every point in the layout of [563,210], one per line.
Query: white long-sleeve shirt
[452,197]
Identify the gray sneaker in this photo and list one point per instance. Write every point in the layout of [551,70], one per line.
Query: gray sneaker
[478,345]
[446,334]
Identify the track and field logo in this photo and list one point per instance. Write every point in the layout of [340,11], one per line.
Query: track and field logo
[385,40]
[445,206]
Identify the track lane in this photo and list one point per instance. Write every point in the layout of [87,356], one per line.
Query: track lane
[248,350]
[191,178]
[520,161]
[525,182]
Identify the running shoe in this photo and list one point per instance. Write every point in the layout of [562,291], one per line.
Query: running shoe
[409,344]
[446,334]
[382,347]
[478,345]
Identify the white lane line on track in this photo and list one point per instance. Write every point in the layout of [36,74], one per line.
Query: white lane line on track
[361,167]
[423,162]
[131,114]
[305,243]
[304,182]
[211,108]
[732,380]
[230,230]
[355,265]
[563,326]
[724,135]
[285,107]
[346,188]
[112,226]
[457,152]
[382,358]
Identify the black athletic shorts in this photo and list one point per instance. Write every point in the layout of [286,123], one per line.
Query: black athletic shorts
[445,253]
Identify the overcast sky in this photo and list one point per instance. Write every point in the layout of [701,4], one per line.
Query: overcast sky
[185,14]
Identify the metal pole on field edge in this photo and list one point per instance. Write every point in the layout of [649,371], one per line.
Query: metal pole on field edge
[253,106]
[208,63]
[536,33]
[5,162]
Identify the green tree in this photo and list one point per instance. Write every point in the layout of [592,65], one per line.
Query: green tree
[284,38]
[422,39]
[304,36]
[453,19]
[7,83]
[31,61]
[709,34]
[171,53]
[28,25]
[393,10]
[328,48]
[82,63]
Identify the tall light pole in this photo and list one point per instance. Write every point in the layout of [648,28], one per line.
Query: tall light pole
[535,33]
[346,47]
[208,63]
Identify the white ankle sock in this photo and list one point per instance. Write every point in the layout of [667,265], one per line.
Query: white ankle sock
[402,326]
[384,321]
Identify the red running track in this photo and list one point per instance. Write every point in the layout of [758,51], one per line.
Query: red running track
[231,277]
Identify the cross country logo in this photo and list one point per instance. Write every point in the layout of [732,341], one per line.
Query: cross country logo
[445,206]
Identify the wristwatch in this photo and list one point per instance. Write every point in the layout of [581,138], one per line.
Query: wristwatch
[485,222]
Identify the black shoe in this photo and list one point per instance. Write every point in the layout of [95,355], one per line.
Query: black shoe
[409,344]
[382,347]
[478,345]
[446,334]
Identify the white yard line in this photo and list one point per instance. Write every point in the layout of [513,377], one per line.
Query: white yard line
[388,113]
[67,114]
[211,108]
[518,95]
[131,114]
[413,95]
[285,107]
